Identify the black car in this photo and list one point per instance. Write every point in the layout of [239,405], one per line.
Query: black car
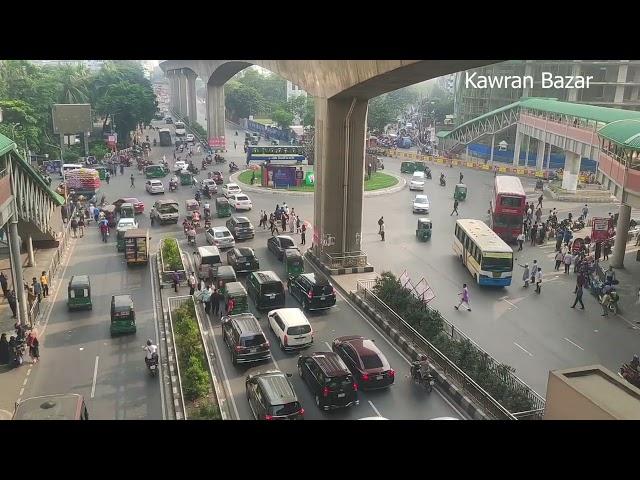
[271,397]
[244,337]
[314,292]
[243,260]
[240,227]
[329,380]
[279,244]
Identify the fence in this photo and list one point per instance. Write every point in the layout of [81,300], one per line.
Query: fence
[491,405]
[346,260]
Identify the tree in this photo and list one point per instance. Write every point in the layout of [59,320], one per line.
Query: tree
[74,82]
[296,106]
[242,100]
[283,118]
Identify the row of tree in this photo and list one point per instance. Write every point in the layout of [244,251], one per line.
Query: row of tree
[119,94]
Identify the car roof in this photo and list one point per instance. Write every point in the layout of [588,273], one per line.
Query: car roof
[79,280]
[235,288]
[285,236]
[246,323]
[330,363]
[422,196]
[219,228]
[49,407]
[362,346]
[292,316]
[167,201]
[265,276]
[241,219]
[121,301]
[155,181]
[245,251]
[226,271]
[316,280]
[232,185]
[276,388]
[208,251]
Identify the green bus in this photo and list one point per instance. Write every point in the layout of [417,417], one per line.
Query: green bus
[165,137]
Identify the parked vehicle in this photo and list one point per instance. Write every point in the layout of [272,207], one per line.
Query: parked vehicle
[245,339]
[291,328]
[272,397]
[329,380]
[367,363]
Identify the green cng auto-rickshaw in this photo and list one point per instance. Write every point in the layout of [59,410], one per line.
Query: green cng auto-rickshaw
[423,232]
[225,274]
[293,262]
[155,171]
[236,291]
[460,192]
[123,316]
[186,178]
[79,293]
[223,209]
[420,166]
[407,167]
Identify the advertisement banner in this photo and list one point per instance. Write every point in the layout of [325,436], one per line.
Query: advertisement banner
[281,177]
[486,167]
[600,229]
[540,174]
[217,142]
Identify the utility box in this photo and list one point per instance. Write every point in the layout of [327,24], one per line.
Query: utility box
[590,393]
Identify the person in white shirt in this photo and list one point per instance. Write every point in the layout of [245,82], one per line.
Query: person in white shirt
[520,241]
[151,351]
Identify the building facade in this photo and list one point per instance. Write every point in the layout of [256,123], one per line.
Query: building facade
[615,83]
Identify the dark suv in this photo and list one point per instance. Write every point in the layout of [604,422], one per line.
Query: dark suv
[314,292]
[244,338]
[271,396]
[241,228]
[243,260]
[329,380]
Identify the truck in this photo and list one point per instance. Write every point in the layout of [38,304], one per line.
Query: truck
[82,181]
[164,211]
[136,246]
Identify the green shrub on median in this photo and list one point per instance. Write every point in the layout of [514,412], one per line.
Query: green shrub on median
[475,363]
[171,255]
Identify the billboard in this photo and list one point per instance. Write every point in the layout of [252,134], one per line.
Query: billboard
[71,118]
[217,142]
[279,176]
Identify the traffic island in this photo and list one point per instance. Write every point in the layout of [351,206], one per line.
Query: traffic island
[171,262]
[355,262]
[584,194]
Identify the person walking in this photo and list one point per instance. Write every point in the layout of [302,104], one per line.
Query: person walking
[74,227]
[567,259]
[604,302]
[538,215]
[34,347]
[578,299]
[176,281]
[455,207]
[122,168]
[192,283]
[559,257]
[540,200]
[380,223]
[81,225]
[464,298]
[534,231]
[297,223]
[264,220]
[585,213]
[526,276]
[215,302]
[539,280]
[382,232]
[11,298]
[461,177]
[283,221]
[44,281]
[606,249]
[5,284]
[292,222]
[133,181]
[303,231]
[37,289]
[520,239]
[107,176]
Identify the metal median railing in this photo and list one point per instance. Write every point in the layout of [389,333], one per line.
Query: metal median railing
[346,260]
[451,370]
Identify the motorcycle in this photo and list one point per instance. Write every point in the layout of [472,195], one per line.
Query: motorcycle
[17,353]
[443,182]
[428,174]
[154,142]
[612,306]
[173,186]
[152,365]
[233,168]
[203,166]
[207,223]
[219,158]
[191,239]
[426,380]
[577,225]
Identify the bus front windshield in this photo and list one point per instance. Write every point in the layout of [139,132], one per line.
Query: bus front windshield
[496,264]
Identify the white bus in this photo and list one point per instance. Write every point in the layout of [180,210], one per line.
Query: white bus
[483,252]
[180,129]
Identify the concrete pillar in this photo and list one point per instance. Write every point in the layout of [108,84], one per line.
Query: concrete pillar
[622,236]
[215,110]
[493,141]
[549,156]
[571,171]
[572,94]
[339,173]
[516,148]
[526,160]
[540,154]
[622,78]
[191,98]
[16,266]
[528,70]
[32,258]
[172,88]
[182,80]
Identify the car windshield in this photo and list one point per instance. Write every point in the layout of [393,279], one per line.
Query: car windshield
[287,409]
[221,234]
[299,330]
[168,208]
[494,264]
[254,340]
[371,361]
[242,197]
[243,225]
[286,243]
[269,288]
[421,199]
[211,260]
[338,382]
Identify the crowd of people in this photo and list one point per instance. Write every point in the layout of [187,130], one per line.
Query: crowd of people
[288,221]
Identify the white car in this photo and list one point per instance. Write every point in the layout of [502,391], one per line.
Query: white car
[240,202]
[220,237]
[291,327]
[213,188]
[154,186]
[417,181]
[421,204]
[127,224]
[180,165]
[230,189]
[190,137]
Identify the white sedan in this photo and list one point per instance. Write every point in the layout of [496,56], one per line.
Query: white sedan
[190,137]
[230,189]
[179,165]
[127,224]
[154,186]
[421,204]
[240,202]
[220,237]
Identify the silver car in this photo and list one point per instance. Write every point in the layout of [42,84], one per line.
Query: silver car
[421,204]
[220,237]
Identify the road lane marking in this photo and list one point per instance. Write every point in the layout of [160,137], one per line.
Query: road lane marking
[327,344]
[95,376]
[523,349]
[155,322]
[634,326]
[572,343]
[505,300]
[24,383]
[21,392]
[374,408]
[384,337]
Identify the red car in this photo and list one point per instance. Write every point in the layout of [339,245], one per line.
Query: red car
[367,363]
[217,177]
[138,206]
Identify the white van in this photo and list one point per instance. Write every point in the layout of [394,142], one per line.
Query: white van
[291,327]
[205,258]
[180,129]
[417,181]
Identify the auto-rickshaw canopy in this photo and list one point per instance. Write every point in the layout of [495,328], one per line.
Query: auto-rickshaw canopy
[293,262]
[407,167]
[460,192]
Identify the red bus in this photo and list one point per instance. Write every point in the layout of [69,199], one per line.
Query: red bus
[508,207]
